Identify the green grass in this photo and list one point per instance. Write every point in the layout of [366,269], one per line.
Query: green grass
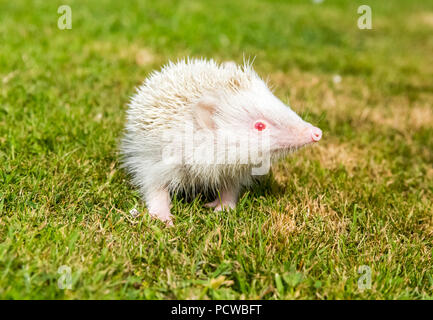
[362,196]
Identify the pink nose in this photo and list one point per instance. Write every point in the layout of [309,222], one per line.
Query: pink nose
[316,134]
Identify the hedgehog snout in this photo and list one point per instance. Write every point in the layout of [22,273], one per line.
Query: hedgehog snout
[306,134]
[316,134]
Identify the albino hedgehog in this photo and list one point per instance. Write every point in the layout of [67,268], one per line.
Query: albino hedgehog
[200,126]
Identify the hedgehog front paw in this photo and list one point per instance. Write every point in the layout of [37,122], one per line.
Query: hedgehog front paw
[167,218]
[158,204]
[225,206]
[220,206]
[227,201]
[212,204]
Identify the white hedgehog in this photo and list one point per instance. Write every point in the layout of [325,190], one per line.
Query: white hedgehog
[200,126]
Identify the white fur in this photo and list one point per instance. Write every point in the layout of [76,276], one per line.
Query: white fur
[167,102]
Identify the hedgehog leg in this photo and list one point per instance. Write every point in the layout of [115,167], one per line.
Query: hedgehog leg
[158,205]
[212,204]
[228,199]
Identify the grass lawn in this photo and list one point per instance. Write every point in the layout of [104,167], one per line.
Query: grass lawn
[359,200]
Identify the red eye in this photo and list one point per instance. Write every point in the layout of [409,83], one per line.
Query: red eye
[259,126]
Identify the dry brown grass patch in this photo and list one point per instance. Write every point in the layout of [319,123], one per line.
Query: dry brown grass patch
[333,155]
[319,92]
[311,215]
[426,18]
[400,116]
[353,100]
[144,57]
[132,52]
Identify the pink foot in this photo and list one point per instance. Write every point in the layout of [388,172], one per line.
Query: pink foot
[226,202]
[158,204]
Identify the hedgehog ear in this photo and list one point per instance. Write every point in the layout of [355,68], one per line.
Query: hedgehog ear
[203,112]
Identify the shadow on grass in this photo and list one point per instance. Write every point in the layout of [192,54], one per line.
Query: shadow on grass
[263,187]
